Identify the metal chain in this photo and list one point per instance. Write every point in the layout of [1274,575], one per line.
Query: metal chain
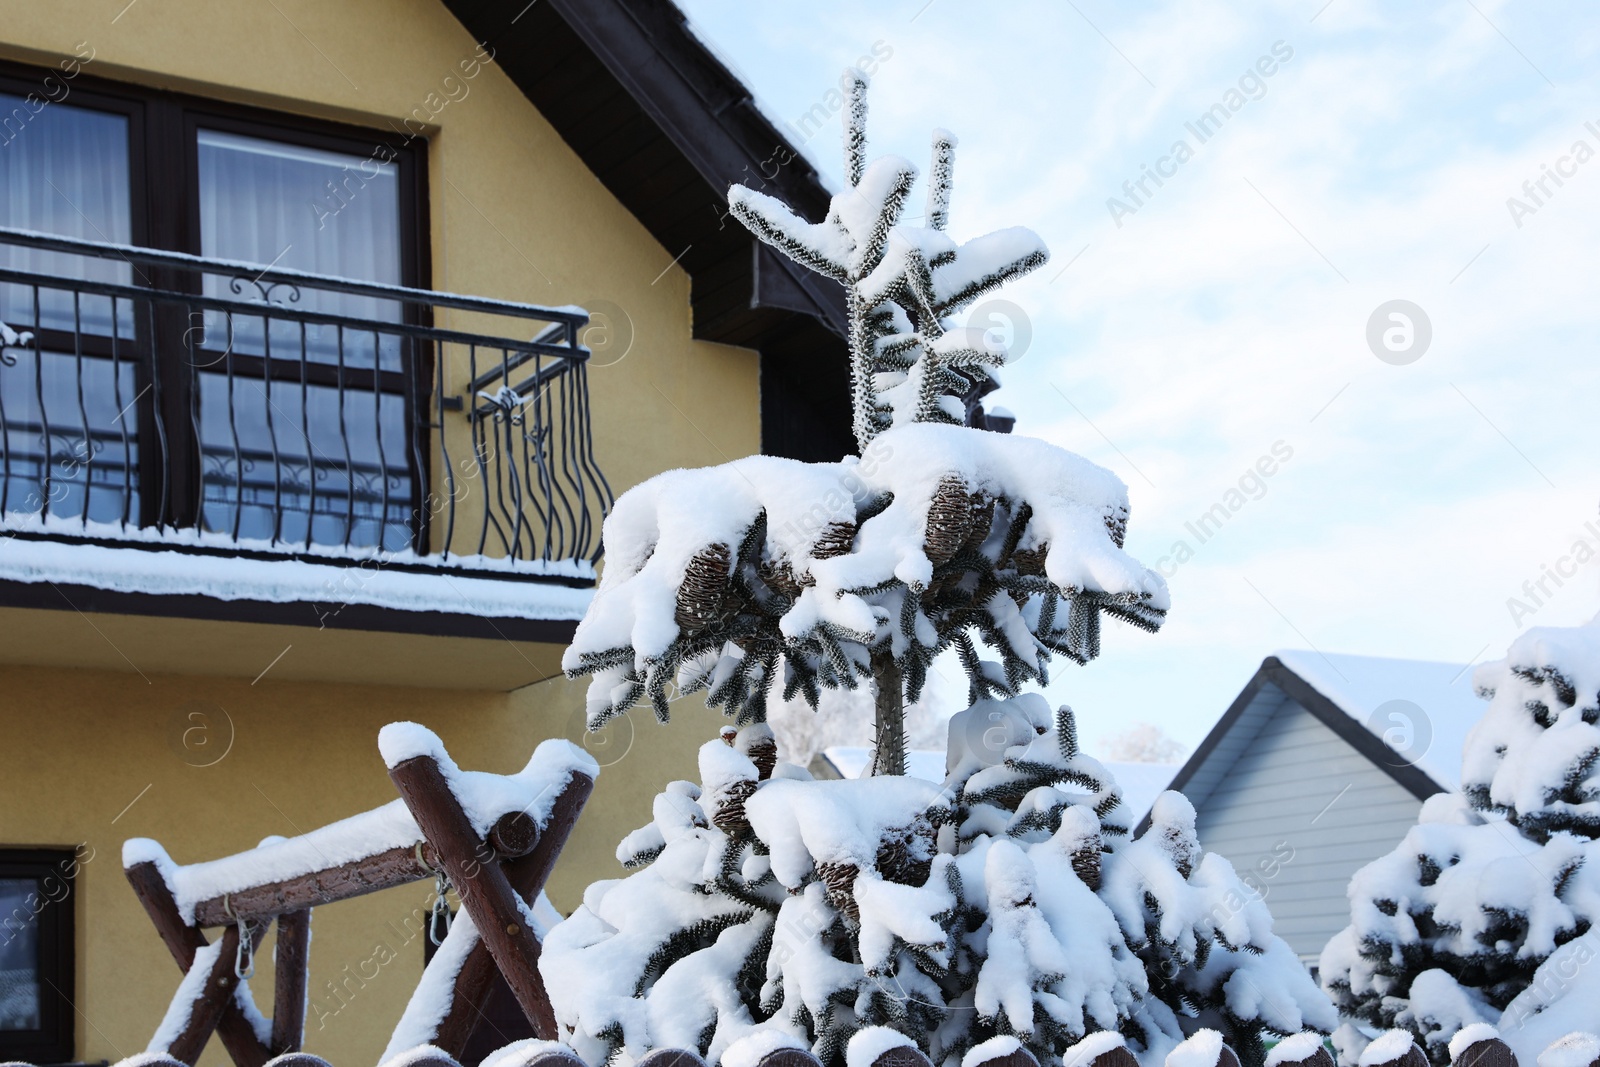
[244,958]
[440,916]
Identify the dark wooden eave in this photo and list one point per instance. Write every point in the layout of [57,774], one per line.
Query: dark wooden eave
[667,128]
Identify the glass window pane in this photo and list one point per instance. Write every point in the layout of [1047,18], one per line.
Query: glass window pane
[74,455]
[329,464]
[64,171]
[329,213]
[19,954]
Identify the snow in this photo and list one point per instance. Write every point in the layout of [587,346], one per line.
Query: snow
[1497,880]
[659,526]
[1468,1036]
[1534,750]
[10,338]
[852,761]
[1091,1048]
[183,1001]
[831,857]
[999,894]
[1140,783]
[519,1053]
[484,797]
[894,914]
[420,1054]
[1560,999]
[1388,1047]
[1360,685]
[1020,942]
[723,767]
[992,1049]
[749,1051]
[804,823]
[400,741]
[868,1044]
[462,585]
[1203,1049]
[147,1059]
[1296,1048]
[430,1000]
[1577,1049]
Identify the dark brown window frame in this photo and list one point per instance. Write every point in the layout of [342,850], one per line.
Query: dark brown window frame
[164,202]
[55,1040]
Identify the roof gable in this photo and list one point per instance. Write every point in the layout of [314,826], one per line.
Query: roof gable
[1360,686]
[1349,694]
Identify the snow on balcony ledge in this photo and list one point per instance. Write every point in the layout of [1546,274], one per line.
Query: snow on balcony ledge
[195,563]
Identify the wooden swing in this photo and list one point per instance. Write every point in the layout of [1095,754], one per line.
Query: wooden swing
[495,875]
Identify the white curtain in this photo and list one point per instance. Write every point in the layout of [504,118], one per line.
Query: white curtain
[69,442]
[64,171]
[276,204]
[265,446]
[19,955]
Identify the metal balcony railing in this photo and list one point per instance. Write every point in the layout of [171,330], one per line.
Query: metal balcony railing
[148,395]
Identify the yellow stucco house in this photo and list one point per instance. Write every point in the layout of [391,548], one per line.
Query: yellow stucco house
[329,332]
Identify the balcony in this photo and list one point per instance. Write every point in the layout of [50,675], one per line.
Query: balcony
[157,400]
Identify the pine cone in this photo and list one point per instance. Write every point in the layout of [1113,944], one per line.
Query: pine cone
[1117,525]
[1180,847]
[705,583]
[840,878]
[836,539]
[1086,863]
[727,812]
[949,520]
[780,576]
[763,752]
[980,518]
[906,855]
[1030,560]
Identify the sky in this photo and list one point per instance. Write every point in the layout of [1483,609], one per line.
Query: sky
[1428,470]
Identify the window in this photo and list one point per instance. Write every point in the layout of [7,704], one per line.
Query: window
[256,426]
[36,954]
[65,172]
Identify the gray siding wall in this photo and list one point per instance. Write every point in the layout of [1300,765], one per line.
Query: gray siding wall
[1297,814]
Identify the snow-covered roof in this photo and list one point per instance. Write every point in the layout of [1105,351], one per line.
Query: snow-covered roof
[1360,686]
[1141,782]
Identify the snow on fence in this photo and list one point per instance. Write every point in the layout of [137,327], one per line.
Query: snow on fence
[493,838]
[882,1047]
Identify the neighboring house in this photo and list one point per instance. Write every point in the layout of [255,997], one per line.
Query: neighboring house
[1320,766]
[1141,783]
[301,433]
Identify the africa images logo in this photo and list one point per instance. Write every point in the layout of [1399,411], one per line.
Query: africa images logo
[1252,85]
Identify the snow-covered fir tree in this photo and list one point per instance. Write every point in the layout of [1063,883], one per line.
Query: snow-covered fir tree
[767,576]
[1200,942]
[1485,912]
[1008,902]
